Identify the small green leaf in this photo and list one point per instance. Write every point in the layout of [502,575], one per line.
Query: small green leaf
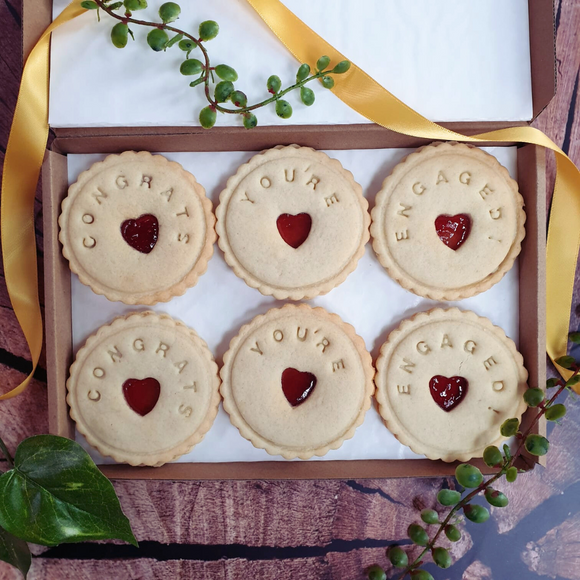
[207,117]
[239,99]
[191,66]
[89,5]
[187,45]
[59,495]
[307,96]
[510,427]
[223,90]
[492,456]
[573,380]
[341,67]
[430,517]
[537,445]
[327,82]
[208,30]
[476,513]
[507,452]
[322,63]
[551,383]
[453,534]
[441,557]
[533,397]
[511,474]
[120,35]
[226,73]
[303,72]
[566,362]
[169,12]
[418,535]
[398,557]
[250,121]
[376,573]
[468,475]
[116,6]
[197,81]
[14,551]
[132,5]
[174,40]
[556,412]
[157,39]
[274,84]
[448,497]
[496,498]
[574,337]
[283,109]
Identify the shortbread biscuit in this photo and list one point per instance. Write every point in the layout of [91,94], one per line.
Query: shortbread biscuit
[297,381]
[137,228]
[292,222]
[446,381]
[448,222]
[144,389]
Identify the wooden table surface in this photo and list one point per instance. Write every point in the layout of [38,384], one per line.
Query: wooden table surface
[306,529]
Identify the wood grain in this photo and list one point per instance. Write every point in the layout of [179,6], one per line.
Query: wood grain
[307,529]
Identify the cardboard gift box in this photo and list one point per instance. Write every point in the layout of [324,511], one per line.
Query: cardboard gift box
[86,140]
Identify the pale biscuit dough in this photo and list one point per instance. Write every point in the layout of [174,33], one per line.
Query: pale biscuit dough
[138,346]
[449,343]
[448,179]
[292,180]
[124,187]
[310,340]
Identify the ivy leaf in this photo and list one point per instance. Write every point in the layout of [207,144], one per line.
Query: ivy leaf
[14,551]
[55,494]
[574,337]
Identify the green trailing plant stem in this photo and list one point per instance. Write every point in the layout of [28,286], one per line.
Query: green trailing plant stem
[468,476]
[159,40]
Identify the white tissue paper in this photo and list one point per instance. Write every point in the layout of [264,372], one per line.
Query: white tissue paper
[221,303]
[451,60]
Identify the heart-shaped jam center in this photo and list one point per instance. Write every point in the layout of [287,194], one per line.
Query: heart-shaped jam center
[142,233]
[448,392]
[294,229]
[453,230]
[297,386]
[142,394]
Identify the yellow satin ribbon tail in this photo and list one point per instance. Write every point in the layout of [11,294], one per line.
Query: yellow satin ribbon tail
[22,163]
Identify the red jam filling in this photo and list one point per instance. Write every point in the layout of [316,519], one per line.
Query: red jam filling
[141,395]
[294,229]
[142,233]
[448,392]
[453,230]
[297,386]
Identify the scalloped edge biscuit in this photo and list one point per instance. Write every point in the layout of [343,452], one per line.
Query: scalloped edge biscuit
[145,299]
[238,421]
[153,460]
[390,419]
[313,290]
[391,265]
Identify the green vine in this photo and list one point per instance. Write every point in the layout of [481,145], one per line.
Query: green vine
[470,477]
[224,91]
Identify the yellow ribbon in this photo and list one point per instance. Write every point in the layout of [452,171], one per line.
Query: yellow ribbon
[363,94]
[29,132]
[22,164]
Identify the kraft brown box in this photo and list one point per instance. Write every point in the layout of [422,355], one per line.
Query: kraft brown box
[531,177]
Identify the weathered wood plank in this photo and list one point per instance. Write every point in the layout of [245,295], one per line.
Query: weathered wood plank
[556,554]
